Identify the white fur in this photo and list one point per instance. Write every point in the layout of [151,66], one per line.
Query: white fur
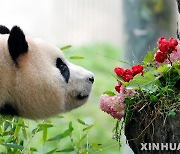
[36,87]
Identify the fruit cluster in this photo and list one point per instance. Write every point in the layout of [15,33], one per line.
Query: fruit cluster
[127,74]
[166,47]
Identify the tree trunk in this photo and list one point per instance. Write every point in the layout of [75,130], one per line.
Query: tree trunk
[160,129]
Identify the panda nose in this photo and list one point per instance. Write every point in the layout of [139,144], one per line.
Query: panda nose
[91,79]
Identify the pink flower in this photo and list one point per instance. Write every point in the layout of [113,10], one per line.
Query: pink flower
[113,105]
[175,56]
[130,92]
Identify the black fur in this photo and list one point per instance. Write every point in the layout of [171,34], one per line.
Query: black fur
[8,109]
[4,30]
[177,32]
[17,43]
[178,3]
[63,69]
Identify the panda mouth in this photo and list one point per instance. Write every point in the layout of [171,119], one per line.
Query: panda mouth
[82,96]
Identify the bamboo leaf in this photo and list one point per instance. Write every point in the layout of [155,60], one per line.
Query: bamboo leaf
[14,146]
[44,134]
[66,47]
[96,146]
[24,133]
[18,127]
[64,134]
[33,149]
[82,122]
[66,150]
[81,139]
[46,125]
[77,57]
[87,128]
[52,151]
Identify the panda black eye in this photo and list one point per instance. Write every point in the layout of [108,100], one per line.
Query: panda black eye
[63,69]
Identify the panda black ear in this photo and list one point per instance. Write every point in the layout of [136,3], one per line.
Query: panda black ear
[4,30]
[17,44]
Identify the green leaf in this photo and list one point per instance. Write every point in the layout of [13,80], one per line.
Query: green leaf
[66,47]
[1,131]
[64,134]
[87,128]
[44,134]
[176,66]
[66,150]
[45,125]
[16,132]
[82,122]
[35,130]
[119,79]
[79,142]
[96,146]
[128,101]
[59,116]
[33,149]
[149,58]
[52,151]
[163,68]
[109,93]
[76,57]
[146,82]
[153,99]
[172,113]
[14,146]
[24,133]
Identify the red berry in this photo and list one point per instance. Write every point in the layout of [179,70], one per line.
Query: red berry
[164,46]
[137,69]
[117,87]
[128,72]
[173,41]
[175,50]
[160,39]
[119,71]
[127,77]
[160,56]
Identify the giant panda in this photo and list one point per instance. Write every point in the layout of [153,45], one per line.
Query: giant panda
[36,80]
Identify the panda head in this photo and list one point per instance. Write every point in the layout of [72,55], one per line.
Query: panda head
[36,80]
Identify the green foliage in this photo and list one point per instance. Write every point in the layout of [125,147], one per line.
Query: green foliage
[149,58]
[12,140]
[109,93]
[146,82]
[159,86]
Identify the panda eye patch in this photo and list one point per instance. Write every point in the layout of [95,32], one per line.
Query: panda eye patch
[63,69]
